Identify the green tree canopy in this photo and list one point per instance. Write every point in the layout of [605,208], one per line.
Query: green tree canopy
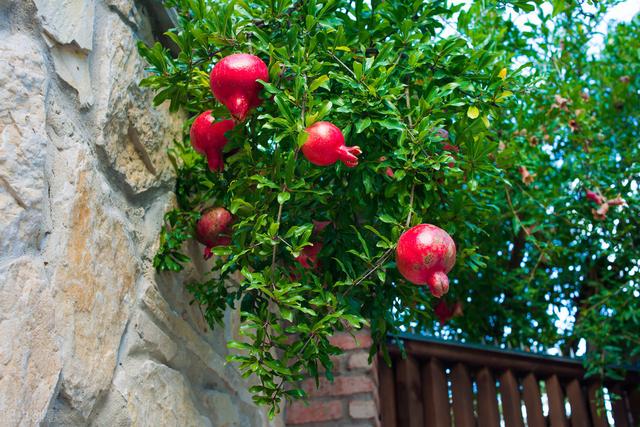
[467,121]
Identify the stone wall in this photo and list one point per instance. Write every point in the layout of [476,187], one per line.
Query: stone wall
[89,333]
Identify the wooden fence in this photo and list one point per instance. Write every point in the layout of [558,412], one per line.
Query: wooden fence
[445,384]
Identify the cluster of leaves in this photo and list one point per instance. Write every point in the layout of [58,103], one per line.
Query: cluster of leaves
[560,272]
[387,74]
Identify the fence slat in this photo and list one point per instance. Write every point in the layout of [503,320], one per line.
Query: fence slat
[488,415]
[531,397]
[435,394]
[408,394]
[620,411]
[510,400]
[462,391]
[634,405]
[601,419]
[387,395]
[555,397]
[579,414]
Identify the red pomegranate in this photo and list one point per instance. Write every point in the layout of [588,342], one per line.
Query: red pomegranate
[214,227]
[233,83]
[425,254]
[595,197]
[308,257]
[325,146]
[208,137]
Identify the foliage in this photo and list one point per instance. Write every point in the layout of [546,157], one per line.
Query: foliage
[387,74]
[576,130]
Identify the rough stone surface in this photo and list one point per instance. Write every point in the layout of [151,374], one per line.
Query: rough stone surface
[22,145]
[90,335]
[68,21]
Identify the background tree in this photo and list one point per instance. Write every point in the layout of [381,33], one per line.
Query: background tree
[447,124]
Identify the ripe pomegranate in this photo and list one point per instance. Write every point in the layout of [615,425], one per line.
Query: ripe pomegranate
[527,177]
[213,228]
[446,312]
[594,196]
[425,254]
[308,257]
[451,148]
[233,83]
[207,137]
[325,146]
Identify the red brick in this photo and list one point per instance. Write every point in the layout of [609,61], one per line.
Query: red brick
[360,360]
[299,413]
[345,341]
[361,409]
[341,386]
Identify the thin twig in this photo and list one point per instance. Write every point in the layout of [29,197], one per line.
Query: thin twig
[344,65]
[407,96]
[273,252]
[375,267]
[517,217]
[408,222]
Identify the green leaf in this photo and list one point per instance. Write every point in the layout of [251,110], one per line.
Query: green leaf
[283,197]
[321,81]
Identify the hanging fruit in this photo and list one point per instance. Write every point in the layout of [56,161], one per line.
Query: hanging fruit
[424,256]
[233,82]
[208,138]
[325,146]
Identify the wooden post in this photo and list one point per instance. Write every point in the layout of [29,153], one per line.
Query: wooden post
[435,395]
[408,393]
[510,400]
[579,415]
[620,411]
[462,396]
[387,395]
[599,420]
[488,415]
[555,397]
[531,397]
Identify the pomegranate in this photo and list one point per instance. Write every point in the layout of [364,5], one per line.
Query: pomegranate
[308,257]
[596,197]
[451,148]
[443,312]
[213,229]
[389,172]
[208,138]
[425,254]
[325,146]
[527,177]
[446,312]
[233,83]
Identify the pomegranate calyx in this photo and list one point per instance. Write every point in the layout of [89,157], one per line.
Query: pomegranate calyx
[349,155]
[438,284]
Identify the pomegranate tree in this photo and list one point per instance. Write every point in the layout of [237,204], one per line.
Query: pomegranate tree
[311,249]
[425,254]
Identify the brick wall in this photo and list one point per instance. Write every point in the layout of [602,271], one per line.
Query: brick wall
[351,399]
